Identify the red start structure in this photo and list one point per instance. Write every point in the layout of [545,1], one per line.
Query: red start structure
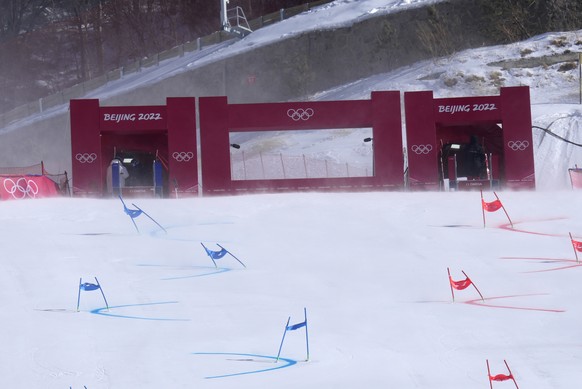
[381,113]
[471,142]
[141,137]
[459,143]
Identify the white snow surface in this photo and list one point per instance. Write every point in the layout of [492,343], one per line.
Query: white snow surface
[369,268]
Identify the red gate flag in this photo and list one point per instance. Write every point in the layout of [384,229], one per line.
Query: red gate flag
[576,245]
[461,284]
[493,206]
[500,377]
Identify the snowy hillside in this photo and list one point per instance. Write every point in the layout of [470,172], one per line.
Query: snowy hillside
[91,301]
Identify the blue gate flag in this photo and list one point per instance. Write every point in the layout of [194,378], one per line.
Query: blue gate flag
[88,286]
[214,255]
[134,213]
[294,327]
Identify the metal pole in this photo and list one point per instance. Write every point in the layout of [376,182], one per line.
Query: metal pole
[283,339]
[223,15]
[306,334]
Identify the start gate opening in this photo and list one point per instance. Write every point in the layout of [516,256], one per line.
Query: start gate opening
[147,139]
[381,114]
[441,134]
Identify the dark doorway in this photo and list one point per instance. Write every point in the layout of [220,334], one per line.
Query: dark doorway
[137,152]
[139,165]
[476,151]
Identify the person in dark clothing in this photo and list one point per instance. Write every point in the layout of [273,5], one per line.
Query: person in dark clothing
[476,167]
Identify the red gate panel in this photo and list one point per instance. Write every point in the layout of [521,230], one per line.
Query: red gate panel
[86,148]
[517,137]
[421,143]
[182,145]
[381,113]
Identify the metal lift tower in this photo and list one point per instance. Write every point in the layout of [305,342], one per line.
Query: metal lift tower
[233,20]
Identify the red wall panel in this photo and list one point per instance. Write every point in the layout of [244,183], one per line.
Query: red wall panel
[517,137]
[182,146]
[86,148]
[421,141]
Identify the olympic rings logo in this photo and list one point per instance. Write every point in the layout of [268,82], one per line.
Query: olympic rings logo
[300,114]
[421,149]
[21,188]
[183,156]
[86,157]
[518,145]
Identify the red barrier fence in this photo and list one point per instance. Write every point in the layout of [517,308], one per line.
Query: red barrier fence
[575,177]
[27,187]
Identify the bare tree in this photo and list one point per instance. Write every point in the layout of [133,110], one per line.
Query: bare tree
[48,45]
[21,16]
